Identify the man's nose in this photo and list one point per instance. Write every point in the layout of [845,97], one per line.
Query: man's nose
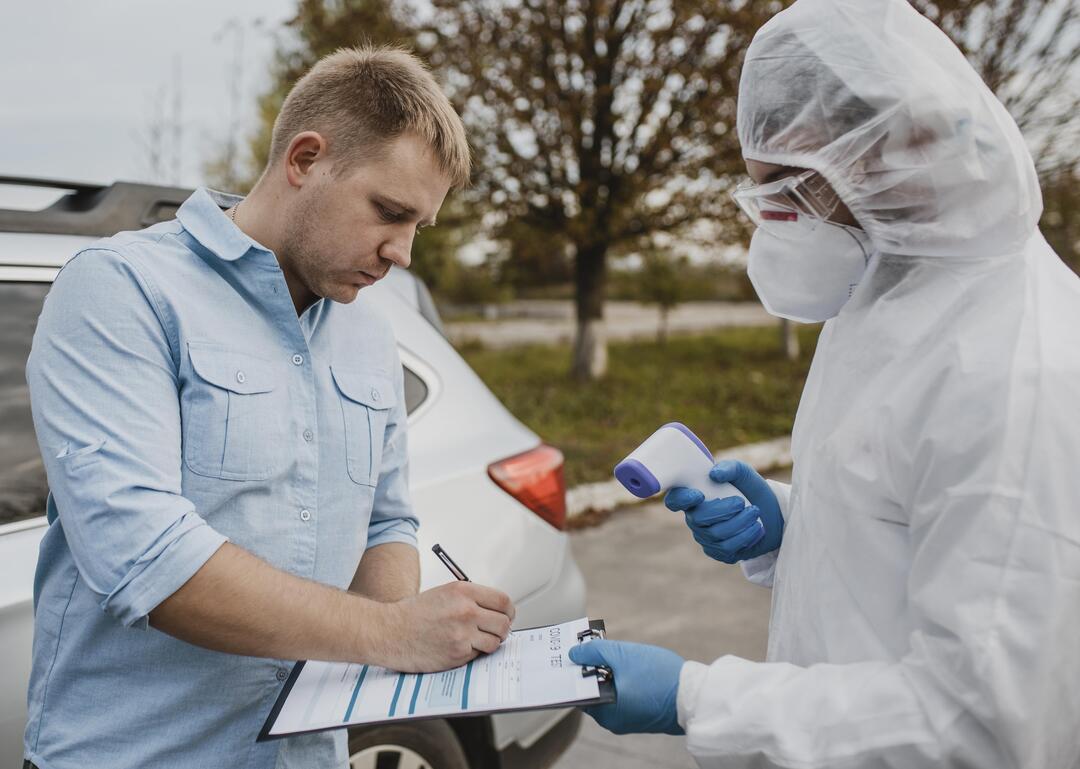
[398,250]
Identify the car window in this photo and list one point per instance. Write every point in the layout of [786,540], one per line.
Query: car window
[22,475]
[416,391]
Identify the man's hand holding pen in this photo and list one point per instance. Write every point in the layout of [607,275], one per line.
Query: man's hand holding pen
[443,627]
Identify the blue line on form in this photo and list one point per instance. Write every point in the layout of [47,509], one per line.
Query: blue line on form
[465,688]
[355,692]
[415,692]
[397,693]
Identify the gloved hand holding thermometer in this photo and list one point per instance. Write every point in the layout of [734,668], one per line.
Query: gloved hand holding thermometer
[730,509]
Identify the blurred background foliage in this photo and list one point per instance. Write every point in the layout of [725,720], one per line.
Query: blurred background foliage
[730,386]
[598,125]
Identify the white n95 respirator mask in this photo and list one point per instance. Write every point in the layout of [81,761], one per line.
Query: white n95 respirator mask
[808,278]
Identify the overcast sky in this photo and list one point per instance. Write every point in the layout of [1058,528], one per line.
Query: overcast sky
[79,77]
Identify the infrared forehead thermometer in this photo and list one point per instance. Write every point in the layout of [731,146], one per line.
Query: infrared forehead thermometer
[672,456]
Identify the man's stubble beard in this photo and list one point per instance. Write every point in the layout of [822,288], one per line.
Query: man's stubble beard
[299,256]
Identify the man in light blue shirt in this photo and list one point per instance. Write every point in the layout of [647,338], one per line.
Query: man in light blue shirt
[224,433]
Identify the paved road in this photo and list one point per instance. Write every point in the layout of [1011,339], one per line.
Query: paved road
[553,323]
[651,583]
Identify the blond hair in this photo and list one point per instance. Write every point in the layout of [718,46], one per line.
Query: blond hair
[362,98]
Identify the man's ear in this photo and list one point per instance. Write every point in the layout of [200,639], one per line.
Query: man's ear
[303,155]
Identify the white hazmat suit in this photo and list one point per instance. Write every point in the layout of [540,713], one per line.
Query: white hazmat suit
[926,596]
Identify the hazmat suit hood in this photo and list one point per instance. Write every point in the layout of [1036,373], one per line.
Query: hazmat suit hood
[879,101]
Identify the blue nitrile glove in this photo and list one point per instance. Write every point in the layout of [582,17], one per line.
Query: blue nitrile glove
[646,685]
[726,529]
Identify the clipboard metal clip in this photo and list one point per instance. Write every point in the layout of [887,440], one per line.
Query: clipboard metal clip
[590,634]
[599,672]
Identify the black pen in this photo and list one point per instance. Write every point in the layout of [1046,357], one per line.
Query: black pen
[449,563]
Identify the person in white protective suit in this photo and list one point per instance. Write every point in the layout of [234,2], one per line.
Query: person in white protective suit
[925,561]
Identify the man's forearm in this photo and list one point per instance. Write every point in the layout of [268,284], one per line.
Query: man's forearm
[240,604]
[388,573]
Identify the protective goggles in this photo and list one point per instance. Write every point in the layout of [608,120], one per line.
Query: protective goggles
[790,206]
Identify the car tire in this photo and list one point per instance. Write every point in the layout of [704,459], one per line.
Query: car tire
[415,745]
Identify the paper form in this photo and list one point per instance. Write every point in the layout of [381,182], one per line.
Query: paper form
[530,669]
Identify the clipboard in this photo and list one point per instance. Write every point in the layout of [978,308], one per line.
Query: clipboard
[604,676]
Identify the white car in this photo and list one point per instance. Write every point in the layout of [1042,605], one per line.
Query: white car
[483,485]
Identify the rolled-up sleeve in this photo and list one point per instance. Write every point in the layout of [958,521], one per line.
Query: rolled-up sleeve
[392,516]
[103,387]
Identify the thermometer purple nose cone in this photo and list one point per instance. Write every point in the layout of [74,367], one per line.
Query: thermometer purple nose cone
[672,456]
[636,478]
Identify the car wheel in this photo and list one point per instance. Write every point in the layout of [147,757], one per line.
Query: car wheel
[417,745]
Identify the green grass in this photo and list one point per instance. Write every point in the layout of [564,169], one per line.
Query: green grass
[730,387]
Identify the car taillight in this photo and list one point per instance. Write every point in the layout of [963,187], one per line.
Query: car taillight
[535,479]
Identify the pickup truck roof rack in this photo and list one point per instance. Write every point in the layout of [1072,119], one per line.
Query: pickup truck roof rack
[93,209]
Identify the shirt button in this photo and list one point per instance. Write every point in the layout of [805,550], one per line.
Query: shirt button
[298,359]
[305,515]
[374,394]
[240,377]
[308,435]
[281,675]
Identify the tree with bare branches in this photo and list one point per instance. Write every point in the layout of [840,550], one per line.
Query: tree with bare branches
[597,122]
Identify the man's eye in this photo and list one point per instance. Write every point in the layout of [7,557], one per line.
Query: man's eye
[386,214]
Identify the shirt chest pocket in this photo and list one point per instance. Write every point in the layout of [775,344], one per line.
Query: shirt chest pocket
[234,415]
[366,399]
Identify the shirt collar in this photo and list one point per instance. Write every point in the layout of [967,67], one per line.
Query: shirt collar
[202,215]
